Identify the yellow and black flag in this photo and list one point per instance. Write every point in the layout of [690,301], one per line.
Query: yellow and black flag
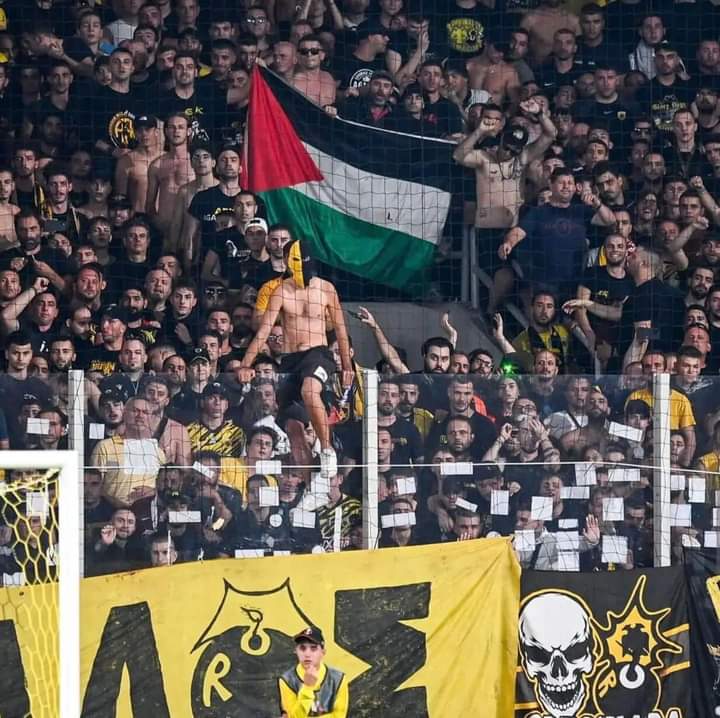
[601,645]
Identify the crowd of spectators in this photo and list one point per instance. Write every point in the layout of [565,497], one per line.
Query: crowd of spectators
[587,147]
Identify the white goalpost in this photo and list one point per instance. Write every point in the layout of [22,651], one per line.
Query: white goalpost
[69,557]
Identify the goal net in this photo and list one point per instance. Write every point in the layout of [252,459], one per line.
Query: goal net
[40,509]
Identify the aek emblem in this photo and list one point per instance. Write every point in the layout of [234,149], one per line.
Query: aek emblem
[247,645]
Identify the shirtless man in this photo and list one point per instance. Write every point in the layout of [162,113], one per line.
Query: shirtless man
[8,210]
[131,173]
[500,175]
[316,84]
[203,164]
[284,60]
[491,73]
[305,303]
[168,173]
[542,24]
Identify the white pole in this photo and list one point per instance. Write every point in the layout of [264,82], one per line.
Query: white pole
[661,472]
[370,455]
[76,442]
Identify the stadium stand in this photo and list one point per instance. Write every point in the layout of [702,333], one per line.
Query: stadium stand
[177,176]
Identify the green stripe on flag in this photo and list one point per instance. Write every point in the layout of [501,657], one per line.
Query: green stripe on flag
[339,240]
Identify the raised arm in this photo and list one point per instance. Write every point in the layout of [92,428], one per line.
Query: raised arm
[389,354]
[267,323]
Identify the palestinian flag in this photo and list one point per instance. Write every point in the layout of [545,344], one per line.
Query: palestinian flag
[368,201]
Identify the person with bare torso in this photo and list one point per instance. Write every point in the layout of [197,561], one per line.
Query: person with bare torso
[500,176]
[310,79]
[131,173]
[306,302]
[203,164]
[542,24]
[168,173]
[8,210]
[491,73]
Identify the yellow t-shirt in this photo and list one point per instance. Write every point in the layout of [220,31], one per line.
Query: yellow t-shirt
[681,413]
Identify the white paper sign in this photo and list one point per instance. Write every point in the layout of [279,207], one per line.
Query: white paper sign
[568,561]
[302,519]
[467,505]
[203,470]
[405,486]
[696,490]
[37,504]
[281,553]
[585,474]
[623,474]
[677,482]
[269,496]
[312,502]
[265,466]
[456,468]
[541,508]
[567,524]
[13,579]
[249,553]
[680,514]
[97,431]
[525,540]
[389,521]
[141,457]
[184,517]
[36,425]
[567,540]
[337,529]
[716,517]
[614,549]
[320,484]
[575,492]
[499,502]
[712,539]
[613,509]
[622,431]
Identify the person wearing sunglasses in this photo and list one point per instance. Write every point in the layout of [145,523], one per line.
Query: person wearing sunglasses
[310,79]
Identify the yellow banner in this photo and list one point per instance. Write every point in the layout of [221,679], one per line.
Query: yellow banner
[420,632]
[426,631]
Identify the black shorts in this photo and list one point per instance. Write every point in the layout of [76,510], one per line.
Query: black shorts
[317,363]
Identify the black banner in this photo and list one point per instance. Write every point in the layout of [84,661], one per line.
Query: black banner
[702,567]
[604,645]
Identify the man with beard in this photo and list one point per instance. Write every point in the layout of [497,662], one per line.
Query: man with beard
[543,332]
[594,433]
[157,289]
[706,101]
[62,354]
[700,280]
[131,367]
[408,408]
[602,287]
[461,393]
[406,439]
[543,23]
[553,237]
[609,184]
[375,108]
[542,383]
[563,66]
[572,416]
[278,237]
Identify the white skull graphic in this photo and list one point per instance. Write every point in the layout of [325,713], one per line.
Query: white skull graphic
[556,642]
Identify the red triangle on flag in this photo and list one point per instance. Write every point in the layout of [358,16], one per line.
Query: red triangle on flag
[274,156]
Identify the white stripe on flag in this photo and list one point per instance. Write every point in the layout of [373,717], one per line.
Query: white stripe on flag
[398,205]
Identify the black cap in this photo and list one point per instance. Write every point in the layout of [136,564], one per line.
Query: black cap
[382,75]
[665,46]
[115,311]
[197,353]
[30,399]
[113,394]
[119,201]
[311,634]
[146,121]
[214,389]
[413,88]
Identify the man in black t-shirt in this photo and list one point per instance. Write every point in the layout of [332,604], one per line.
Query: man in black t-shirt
[461,28]
[356,70]
[205,206]
[438,112]
[201,102]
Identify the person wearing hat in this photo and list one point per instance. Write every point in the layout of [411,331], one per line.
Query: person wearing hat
[304,301]
[408,117]
[373,108]
[213,430]
[371,54]
[186,403]
[312,687]
[113,325]
[131,171]
[168,173]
